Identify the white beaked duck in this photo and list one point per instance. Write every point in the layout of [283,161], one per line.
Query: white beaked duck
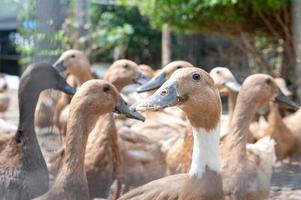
[192,90]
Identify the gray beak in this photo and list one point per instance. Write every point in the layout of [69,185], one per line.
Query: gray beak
[123,108]
[65,87]
[282,99]
[141,79]
[165,96]
[152,84]
[59,65]
[233,85]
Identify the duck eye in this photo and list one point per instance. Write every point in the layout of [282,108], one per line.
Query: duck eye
[196,77]
[106,88]
[179,67]
[72,56]
[125,66]
[268,81]
[164,92]
[217,71]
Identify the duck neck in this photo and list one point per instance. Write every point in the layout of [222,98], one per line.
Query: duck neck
[205,151]
[85,76]
[274,118]
[244,112]
[103,130]
[27,104]
[117,82]
[231,104]
[79,124]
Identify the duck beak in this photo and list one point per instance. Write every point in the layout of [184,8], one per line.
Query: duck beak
[123,108]
[232,85]
[282,99]
[65,87]
[59,65]
[165,96]
[152,84]
[140,78]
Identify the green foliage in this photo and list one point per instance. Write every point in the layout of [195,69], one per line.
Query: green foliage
[207,15]
[124,27]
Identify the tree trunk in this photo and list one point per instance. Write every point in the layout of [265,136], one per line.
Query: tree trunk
[166,54]
[50,16]
[82,17]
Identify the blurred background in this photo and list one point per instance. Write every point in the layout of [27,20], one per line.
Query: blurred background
[245,36]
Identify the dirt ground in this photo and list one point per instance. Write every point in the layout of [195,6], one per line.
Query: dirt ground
[286,180]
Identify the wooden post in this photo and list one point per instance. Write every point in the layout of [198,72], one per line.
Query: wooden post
[50,16]
[296,8]
[82,17]
[166,54]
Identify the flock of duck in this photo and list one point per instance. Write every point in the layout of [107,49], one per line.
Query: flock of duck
[185,149]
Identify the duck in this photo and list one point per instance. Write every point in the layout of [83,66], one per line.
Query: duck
[172,133]
[179,156]
[102,157]
[193,91]
[227,85]
[246,175]
[94,98]
[24,173]
[52,103]
[121,73]
[293,123]
[147,70]
[78,70]
[4,98]
[104,160]
[163,75]
[277,129]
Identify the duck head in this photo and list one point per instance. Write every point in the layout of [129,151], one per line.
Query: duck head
[224,80]
[124,72]
[102,97]
[165,73]
[193,91]
[283,87]
[73,62]
[262,88]
[44,76]
[147,70]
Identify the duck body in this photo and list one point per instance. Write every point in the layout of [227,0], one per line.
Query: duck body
[276,129]
[178,187]
[294,125]
[25,175]
[141,158]
[247,173]
[24,171]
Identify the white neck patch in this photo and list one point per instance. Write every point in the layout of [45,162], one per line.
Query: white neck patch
[205,151]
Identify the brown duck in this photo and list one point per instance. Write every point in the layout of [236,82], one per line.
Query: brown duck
[94,98]
[194,92]
[24,173]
